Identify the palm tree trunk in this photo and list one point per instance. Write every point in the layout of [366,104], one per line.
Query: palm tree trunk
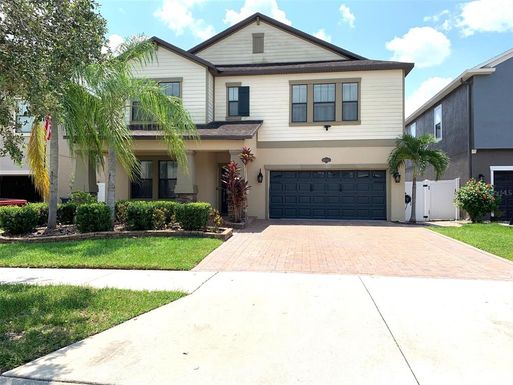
[54,177]
[111,181]
[413,216]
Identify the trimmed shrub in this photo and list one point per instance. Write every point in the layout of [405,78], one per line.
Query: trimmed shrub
[169,208]
[477,198]
[81,197]
[93,217]
[158,219]
[18,220]
[42,211]
[66,213]
[120,210]
[139,215]
[193,216]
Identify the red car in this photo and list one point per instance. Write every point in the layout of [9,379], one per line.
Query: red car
[12,202]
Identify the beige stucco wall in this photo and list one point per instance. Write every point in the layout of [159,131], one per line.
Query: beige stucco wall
[208,158]
[269,159]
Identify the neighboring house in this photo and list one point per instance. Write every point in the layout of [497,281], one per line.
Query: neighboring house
[15,179]
[320,120]
[472,120]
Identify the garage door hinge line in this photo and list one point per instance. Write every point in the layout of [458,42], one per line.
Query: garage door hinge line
[389,330]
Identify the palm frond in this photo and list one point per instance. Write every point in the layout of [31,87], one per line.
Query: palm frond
[36,155]
[416,150]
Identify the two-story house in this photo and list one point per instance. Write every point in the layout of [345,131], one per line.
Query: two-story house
[472,120]
[320,120]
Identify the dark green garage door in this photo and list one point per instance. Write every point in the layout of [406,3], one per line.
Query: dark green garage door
[348,194]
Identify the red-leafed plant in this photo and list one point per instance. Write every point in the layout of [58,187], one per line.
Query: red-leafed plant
[237,189]
[246,155]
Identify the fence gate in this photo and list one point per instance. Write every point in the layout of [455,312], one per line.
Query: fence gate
[435,200]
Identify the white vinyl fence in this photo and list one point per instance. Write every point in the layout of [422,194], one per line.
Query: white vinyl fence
[435,200]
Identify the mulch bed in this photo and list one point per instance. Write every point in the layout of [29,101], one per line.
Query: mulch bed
[70,232]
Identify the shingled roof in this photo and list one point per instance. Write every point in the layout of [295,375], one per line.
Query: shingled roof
[304,67]
[236,130]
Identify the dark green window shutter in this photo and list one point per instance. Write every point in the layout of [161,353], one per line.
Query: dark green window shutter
[243,101]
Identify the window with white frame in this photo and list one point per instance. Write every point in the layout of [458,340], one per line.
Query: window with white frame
[437,122]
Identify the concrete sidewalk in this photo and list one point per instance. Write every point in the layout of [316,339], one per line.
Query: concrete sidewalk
[284,329]
[186,281]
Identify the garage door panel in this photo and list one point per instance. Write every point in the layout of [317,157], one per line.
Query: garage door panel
[344,194]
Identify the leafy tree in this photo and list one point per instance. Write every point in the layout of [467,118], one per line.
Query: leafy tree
[417,151]
[43,44]
[96,105]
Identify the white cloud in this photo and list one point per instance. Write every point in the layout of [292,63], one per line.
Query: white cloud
[347,15]
[439,16]
[426,91]
[443,20]
[425,46]
[321,34]
[177,14]
[486,16]
[113,43]
[268,7]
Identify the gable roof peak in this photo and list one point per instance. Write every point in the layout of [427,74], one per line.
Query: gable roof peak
[277,24]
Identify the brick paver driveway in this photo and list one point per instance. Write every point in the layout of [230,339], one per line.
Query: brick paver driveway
[377,248]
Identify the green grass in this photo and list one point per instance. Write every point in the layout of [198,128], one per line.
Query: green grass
[36,320]
[121,253]
[491,237]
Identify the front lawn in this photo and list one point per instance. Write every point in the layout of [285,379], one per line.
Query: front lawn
[120,253]
[491,237]
[36,320]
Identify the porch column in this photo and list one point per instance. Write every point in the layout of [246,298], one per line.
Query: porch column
[85,174]
[186,189]
[235,156]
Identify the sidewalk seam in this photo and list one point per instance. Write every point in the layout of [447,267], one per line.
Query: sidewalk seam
[389,330]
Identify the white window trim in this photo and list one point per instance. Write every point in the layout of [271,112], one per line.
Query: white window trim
[441,123]
[498,168]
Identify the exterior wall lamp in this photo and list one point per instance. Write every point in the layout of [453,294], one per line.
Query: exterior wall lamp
[327,126]
[260,176]
[397,177]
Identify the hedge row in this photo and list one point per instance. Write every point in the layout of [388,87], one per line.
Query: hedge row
[90,217]
[157,215]
[22,220]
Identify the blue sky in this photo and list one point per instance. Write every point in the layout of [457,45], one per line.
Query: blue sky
[443,38]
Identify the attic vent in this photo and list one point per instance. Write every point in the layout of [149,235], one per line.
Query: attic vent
[258,43]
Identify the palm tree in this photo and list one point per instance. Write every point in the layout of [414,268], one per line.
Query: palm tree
[416,150]
[95,108]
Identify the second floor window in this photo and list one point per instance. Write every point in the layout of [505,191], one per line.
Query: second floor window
[299,102]
[349,101]
[238,101]
[171,88]
[437,122]
[324,102]
[138,115]
[23,119]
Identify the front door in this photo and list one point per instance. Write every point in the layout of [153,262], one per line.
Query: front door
[503,185]
[223,196]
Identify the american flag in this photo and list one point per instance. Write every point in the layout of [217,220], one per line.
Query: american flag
[48,127]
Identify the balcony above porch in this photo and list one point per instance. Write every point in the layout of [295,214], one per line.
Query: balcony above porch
[220,130]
